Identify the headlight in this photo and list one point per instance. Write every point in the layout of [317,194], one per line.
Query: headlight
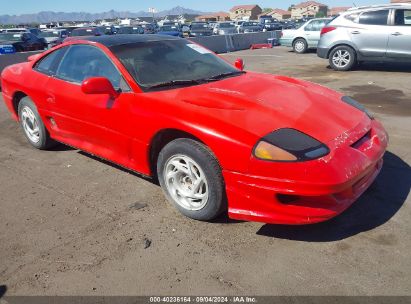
[357,105]
[289,145]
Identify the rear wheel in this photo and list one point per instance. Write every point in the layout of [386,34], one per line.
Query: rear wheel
[191,178]
[343,58]
[32,125]
[300,46]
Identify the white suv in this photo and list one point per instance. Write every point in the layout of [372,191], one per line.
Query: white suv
[373,33]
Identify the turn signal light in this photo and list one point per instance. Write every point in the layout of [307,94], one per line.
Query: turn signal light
[266,151]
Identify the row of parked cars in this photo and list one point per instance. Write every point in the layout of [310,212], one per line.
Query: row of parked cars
[33,39]
[379,33]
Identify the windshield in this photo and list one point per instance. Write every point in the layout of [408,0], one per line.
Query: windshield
[49,34]
[250,24]
[157,62]
[198,26]
[168,28]
[226,25]
[10,37]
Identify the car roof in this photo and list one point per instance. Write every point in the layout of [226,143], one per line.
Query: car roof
[382,6]
[113,40]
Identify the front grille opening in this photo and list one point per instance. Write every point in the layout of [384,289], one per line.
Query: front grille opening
[362,140]
[287,198]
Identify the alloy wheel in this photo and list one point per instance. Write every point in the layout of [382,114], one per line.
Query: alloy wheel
[186,182]
[341,58]
[30,124]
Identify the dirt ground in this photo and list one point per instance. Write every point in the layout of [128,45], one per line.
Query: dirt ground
[71,224]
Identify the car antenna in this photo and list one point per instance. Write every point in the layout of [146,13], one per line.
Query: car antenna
[355,5]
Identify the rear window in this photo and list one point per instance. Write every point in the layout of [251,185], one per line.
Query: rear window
[375,17]
[403,17]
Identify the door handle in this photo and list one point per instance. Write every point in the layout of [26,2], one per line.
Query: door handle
[396,34]
[355,32]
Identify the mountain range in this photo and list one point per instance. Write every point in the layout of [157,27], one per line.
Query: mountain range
[48,16]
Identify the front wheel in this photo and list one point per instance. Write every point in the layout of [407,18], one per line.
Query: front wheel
[32,125]
[191,178]
[342,58]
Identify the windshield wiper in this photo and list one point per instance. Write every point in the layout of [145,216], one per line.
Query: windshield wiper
[175,83]
[224,75]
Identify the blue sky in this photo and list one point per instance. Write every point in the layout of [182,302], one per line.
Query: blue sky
[17,7]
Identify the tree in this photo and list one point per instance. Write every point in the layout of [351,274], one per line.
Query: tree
[320,15]
[267,10]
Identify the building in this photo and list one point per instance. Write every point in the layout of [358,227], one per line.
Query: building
[219,16]
[309,9]
[245,12]
[279,14]
[335,11]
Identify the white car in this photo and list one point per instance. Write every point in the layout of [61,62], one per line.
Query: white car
[305,37]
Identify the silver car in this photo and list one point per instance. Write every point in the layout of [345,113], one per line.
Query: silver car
[373,33]
[305,37]
[224,28]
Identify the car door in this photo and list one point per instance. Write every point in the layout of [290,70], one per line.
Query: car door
[313,32]
[399,41]
[371,35]
[94,123]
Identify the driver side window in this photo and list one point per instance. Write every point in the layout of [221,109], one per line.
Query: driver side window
[84,61]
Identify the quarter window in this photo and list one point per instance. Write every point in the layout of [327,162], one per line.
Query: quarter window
[48,65]
[375,17]
[403,17]
[83,61]
[315,26]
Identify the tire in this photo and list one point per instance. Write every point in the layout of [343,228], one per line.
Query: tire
[300,46]
[208,200]
[343,58]
[32,125]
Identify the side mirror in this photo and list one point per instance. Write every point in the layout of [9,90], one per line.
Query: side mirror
[99,85]
[239,64]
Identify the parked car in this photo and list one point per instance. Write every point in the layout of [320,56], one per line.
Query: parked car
[149,28]
[218,138]
[16,30]
[305,37]
[35,31]
[108,30]
[23,42]
[272,26]
[54,37]
[249,27]
[375,33]
[170,30]
[200,29]
[130,30]
[224,28]
[87,31]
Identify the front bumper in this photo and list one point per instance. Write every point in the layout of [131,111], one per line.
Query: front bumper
[319,194]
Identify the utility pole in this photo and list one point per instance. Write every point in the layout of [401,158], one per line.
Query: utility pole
[153,11]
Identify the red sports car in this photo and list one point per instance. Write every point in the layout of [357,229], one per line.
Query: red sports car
[262,147]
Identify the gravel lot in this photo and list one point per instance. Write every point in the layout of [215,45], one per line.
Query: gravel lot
[71,224]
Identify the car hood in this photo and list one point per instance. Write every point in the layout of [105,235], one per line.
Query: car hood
[261,103]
